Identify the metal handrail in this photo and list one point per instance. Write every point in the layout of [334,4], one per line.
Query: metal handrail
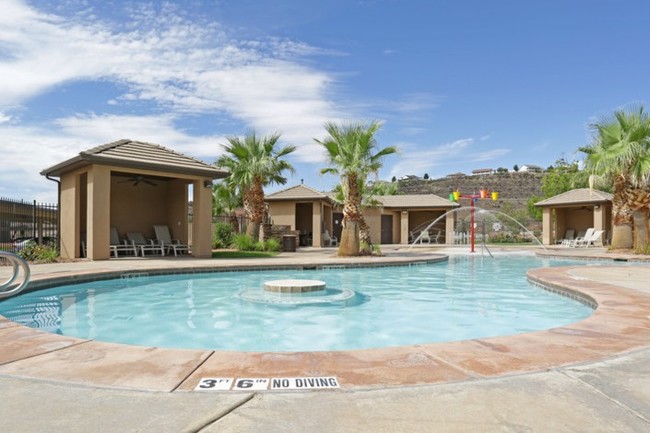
[9,288]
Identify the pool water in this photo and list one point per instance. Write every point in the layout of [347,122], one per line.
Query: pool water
[467,297]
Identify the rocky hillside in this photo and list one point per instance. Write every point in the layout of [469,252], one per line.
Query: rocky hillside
[513,187]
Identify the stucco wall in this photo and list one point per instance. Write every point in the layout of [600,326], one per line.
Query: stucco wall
[283,213]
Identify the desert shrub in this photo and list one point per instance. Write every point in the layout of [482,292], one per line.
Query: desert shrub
[222,236]
[243,242]
[34,252]
[273,245]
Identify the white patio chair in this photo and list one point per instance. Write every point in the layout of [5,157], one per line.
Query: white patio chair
[581,239]
[118,245]
[165,240]
[330,241]
[595,237]
[424,237]
[569,235]
[140,243]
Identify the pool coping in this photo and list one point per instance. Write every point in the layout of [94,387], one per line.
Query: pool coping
[619,325]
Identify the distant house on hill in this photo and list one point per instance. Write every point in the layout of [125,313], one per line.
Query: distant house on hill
[530,168]
[409,177]
[482,171]
[457,174]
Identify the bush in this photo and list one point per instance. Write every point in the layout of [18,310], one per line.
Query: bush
[243,242]
[259,246]
[39,253]
[509,238]
[222,236]
[273,245]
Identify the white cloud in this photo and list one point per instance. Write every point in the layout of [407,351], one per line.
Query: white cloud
[100,129]
[36,148]
[159,62]
[181,66]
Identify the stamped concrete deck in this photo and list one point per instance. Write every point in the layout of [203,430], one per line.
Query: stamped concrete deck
[588,376]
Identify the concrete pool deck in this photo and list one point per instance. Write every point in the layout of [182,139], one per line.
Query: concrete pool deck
[589,376]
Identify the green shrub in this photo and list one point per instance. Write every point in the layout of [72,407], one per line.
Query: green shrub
[259,246]
[39,253]
[222,236]
[273,244]
[508,238]
[243,242]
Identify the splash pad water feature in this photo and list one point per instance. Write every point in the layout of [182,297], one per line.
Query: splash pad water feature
[480,214]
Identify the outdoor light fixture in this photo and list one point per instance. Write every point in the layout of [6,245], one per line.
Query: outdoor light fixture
[207,183]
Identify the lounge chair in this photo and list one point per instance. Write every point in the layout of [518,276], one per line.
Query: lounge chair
[118,245]
[581,239]
[140,243]
[569,235]
[166,241]
[330,241]
[591,241]
[424,237]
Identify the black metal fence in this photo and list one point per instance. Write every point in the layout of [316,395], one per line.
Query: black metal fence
[238,222]
[21,221]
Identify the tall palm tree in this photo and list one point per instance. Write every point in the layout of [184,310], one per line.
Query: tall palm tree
[352,154]
[621,151]
[255,162]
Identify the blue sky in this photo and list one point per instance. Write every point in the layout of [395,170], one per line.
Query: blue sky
[459,85]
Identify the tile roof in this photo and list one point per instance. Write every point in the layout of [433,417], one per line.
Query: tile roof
[303,192]
[137,154]
[298,192]
[576,196]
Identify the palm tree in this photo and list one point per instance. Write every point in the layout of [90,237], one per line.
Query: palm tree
[621,151]
[254,162]
[352,153]
[369,195]
[225,201]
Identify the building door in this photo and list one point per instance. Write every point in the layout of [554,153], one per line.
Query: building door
[386,229]
[337,224]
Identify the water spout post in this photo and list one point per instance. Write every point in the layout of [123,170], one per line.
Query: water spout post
[483,193]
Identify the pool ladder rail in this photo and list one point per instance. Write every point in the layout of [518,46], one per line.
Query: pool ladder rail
[14,285]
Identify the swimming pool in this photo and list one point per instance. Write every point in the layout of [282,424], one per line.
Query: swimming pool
[467,297]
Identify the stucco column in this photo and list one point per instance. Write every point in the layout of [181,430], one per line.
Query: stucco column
[177,210]
[70,216]
[449,228]
[404,227]
[202,223]
[600,221]
[547,230]
[99,213]
[317,224]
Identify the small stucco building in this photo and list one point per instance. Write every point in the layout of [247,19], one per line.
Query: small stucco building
[132,186]
[311,212]
[578,209]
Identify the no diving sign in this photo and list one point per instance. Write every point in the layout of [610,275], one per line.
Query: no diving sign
[262,384]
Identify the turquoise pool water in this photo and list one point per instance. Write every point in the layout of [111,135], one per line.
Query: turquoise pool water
[467,297]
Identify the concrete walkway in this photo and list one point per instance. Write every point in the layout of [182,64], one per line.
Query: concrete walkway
[611,394]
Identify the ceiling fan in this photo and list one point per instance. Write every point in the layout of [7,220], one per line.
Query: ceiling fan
[137,179]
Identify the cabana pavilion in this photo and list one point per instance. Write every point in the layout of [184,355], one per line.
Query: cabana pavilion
[578,209]
[311,212]
[132,186]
